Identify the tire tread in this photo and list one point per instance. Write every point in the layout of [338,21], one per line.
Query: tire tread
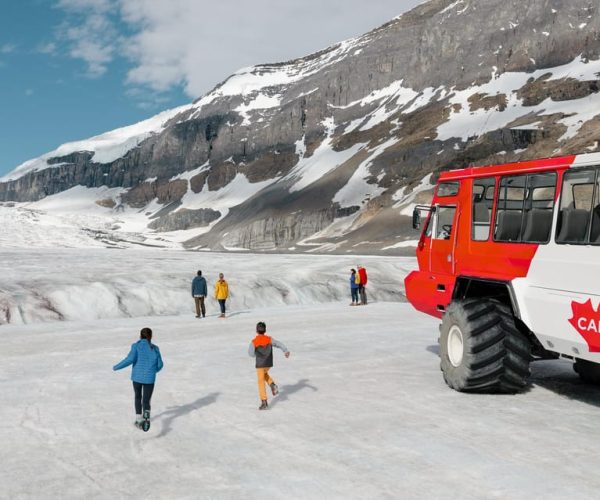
[497,355]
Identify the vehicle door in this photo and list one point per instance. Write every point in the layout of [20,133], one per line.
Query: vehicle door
[445,223]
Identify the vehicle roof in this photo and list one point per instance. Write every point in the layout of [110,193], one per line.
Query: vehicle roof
[558,162]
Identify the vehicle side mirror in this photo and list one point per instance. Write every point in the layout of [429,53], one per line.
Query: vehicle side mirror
[416,218]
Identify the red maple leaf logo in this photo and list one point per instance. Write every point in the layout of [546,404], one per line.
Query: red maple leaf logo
[586,320]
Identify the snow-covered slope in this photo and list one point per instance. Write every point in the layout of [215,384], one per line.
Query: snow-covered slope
[106,147]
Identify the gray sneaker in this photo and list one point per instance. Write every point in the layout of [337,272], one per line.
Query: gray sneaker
[274,389]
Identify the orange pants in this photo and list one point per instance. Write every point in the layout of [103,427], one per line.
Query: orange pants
[263,377]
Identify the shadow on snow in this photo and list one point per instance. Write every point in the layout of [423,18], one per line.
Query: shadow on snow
[286,390]
[557,376]
[174,412]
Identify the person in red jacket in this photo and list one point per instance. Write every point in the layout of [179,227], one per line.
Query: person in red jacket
[261,348]
[362,287]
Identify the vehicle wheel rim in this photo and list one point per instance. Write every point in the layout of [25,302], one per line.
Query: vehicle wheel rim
[455,346]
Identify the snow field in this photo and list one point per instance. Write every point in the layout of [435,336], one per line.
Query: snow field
[363,413]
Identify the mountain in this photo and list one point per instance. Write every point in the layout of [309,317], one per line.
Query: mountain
[328,152]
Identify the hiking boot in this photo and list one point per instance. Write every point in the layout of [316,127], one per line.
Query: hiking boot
[145,424]
[274,389]
[263,405]
[138,421]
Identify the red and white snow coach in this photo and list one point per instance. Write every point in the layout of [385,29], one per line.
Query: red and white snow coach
[509,259]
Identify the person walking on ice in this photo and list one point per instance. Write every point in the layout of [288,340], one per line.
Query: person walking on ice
[354,287]
[221,293]
[261,348]
[362,275]
[199,292]
[147,362]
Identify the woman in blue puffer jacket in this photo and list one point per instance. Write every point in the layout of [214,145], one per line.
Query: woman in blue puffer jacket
[147,362]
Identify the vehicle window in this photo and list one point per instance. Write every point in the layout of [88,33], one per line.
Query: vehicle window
[512,193]
[428,224]
[579,207]
[525,208]
[543,193]
[445,219]
[595,234]
[447,189]
[582,194]
[509,215]
[482,208]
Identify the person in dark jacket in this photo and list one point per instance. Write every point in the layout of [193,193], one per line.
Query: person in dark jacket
[261,348]
[147,362]
[199,292]
[354,287]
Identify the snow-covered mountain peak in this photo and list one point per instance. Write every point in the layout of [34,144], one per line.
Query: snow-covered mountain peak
[312,153]
[106,147]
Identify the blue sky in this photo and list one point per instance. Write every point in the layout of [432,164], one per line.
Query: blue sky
[71,69]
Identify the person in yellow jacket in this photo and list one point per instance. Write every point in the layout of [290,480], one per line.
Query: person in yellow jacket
[221,293]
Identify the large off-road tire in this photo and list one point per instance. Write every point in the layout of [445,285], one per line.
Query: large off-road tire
[481,349]
[588,371]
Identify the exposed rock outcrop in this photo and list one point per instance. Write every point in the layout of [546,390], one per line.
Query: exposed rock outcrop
[184,219]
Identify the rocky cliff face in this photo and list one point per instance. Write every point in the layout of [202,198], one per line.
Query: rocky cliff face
[325,151]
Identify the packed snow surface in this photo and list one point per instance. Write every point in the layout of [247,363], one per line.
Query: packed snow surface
[363,413]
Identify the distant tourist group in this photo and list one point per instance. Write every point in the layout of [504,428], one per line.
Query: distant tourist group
[358,286]
[200,291]
[147,360]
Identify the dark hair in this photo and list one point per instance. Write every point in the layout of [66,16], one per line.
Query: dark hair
[199,273]
[353,270]
[146,334]
[261,327]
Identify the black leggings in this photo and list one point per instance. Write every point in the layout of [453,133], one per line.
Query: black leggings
[143,394]
[222,304]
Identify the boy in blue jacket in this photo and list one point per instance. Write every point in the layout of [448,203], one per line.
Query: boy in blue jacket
[147,362]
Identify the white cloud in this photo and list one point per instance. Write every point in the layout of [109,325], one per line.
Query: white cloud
[47,48]
[90,33]
[7,48]
[196,44]
[84,6]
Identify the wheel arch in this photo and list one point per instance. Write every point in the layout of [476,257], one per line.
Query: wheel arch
[467,287]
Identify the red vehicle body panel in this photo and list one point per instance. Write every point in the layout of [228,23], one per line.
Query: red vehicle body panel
[441,262]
